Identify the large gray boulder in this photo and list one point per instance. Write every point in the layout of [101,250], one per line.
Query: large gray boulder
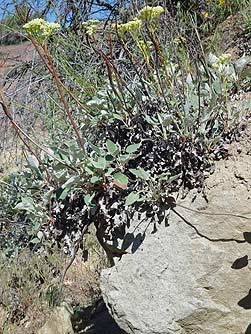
[192,275]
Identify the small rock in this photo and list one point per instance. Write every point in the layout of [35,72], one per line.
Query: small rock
[3,317]
[59,322]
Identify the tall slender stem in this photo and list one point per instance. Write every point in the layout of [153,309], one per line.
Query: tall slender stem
[50,66]
[19,131]
[62,97]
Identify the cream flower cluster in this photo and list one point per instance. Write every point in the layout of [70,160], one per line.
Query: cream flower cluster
[222,60]
[133,27]
[220,2]
[90,26]
[41,29]
[147,14]
[224,66]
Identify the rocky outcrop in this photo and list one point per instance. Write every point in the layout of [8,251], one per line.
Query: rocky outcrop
[192,274]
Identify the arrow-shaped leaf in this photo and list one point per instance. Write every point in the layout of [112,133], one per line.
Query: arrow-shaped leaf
[100,164]
[112,147]
[141,173]
[121,180]
[132,148]
[132,198]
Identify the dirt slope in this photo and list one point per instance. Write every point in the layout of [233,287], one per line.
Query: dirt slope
[13,55]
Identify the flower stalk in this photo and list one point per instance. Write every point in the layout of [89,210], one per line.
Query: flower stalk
[38,32]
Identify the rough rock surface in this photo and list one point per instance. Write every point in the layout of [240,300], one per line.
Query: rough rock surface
[192,275]
[59,322]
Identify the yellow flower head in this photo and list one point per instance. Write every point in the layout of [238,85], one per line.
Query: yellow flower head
[41,29]
[222,61]
[132,27]
[224,58]
[145,44]
[90,26]
[94,22]
[149,13]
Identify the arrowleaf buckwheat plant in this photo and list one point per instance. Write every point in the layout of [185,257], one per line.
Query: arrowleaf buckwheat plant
[154,125]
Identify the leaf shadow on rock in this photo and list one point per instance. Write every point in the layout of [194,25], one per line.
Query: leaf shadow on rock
[247,237]
[248,330]
[246,301]
[133,241]
[147,216]
[138,240]
[240,262]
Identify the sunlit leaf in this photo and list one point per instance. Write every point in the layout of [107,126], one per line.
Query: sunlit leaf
[35,241]
[133,148]
[132,198]
[32,161]
[64,193]
[121,179]
[95,179]
[72,180]
[113,149]
[26,204]
[141,173]
[88,200]
[100,163]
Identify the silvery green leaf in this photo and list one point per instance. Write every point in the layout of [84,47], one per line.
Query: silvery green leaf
[189,79]
[113,149]
[117,116]
[125,157]
[141,173]
[207,87]
[241,63]
[32,161]
[164,176]
[100,163]
[35,241]
[110,170]
[151,120]
[72,180]
[88,200]
[194,99]
[212,59]
[132,198]
[95,148]
[50,151]
[95,179]
[64,193]
[95,102]
[26,204]
[61,174]
[121,178]
[133,148]
[217,86]
[89,169]
[48,195]
[65,158]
